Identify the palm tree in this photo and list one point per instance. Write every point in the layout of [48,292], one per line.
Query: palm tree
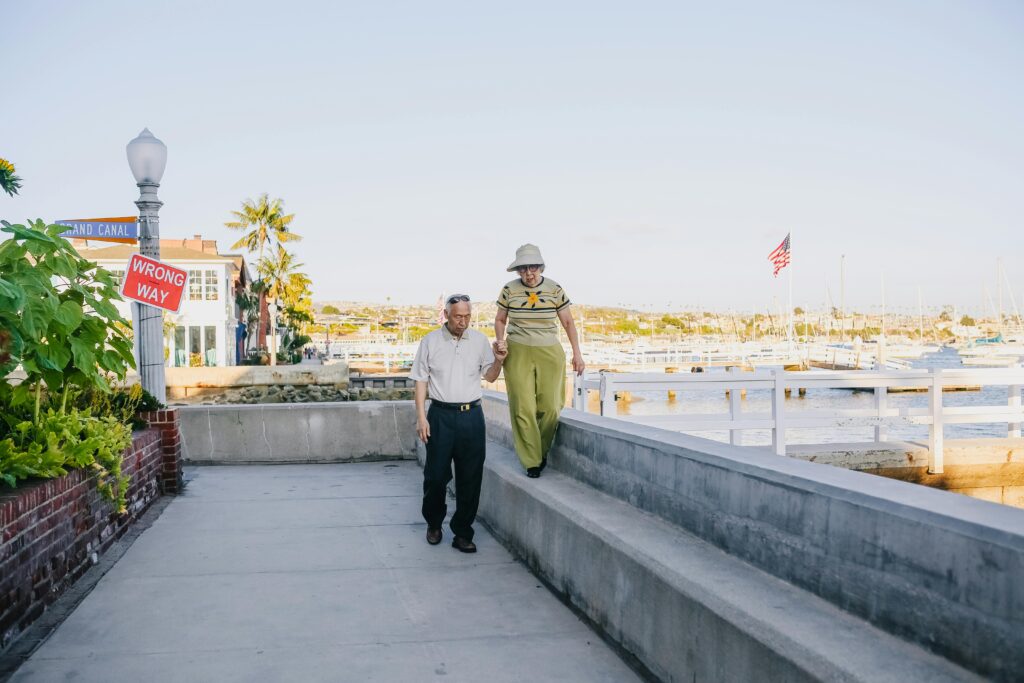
[278,271]
[266,225]
[249,303]
[297,292]
[298,302]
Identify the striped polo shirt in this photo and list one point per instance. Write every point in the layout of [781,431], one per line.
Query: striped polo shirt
[533,311]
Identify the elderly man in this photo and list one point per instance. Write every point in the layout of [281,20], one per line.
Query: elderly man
[449,364]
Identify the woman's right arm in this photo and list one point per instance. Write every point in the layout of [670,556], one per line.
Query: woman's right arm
[500,321]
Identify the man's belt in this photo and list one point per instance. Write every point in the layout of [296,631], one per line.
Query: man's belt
[461,407]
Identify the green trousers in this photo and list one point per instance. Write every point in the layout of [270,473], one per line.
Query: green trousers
[535,381]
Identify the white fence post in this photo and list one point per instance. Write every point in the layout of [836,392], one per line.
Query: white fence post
[881,431]
[735,408]
[607,395]
[935,432]
[778,412]
[579,394]
[1013,428]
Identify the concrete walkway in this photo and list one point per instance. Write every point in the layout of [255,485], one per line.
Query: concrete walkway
[316,573]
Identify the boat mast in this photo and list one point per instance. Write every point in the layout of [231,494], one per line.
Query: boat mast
[883,306]
[829,309]
[999,292]
[842,298]
[920,317]
[1013,300]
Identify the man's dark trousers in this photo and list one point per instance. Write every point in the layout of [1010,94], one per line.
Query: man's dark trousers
[456,436]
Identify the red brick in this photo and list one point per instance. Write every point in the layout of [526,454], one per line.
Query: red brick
[46,526]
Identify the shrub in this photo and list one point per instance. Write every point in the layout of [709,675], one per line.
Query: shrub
[123,403]
[63,330]
[48,446]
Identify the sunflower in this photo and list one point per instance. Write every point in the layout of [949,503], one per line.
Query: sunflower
[9,182]
[532,299]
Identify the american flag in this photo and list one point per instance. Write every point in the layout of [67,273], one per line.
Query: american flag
[780,256]
[440,309]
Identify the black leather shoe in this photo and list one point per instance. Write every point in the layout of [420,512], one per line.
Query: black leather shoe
[433,536]
[533,472]
[463,545]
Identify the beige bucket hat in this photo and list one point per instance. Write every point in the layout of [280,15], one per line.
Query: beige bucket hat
[527,255]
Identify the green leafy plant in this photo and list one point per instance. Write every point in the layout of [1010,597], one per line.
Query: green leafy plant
[9,182]
[56,305]
[68,338]
[123,404]
[56,441]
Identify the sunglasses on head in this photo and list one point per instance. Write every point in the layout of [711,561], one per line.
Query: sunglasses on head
[531,268]
[456,298]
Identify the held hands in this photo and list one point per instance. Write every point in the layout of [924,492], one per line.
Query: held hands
[422,428]
[578,365]
[500,351]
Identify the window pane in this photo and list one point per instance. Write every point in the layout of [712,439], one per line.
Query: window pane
[211,285]
[210,334]
[195,285]
[195,351]
[180,357]
[118,275]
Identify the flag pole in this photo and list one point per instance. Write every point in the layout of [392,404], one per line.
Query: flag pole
[791,335]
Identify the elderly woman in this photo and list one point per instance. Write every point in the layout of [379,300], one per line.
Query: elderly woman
[530,308]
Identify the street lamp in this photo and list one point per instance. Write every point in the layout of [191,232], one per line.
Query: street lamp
[147,157]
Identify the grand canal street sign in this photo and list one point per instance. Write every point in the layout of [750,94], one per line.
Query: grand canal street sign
[124,229]
[151,282]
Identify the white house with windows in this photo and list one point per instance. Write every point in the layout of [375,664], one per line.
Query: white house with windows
[207,330]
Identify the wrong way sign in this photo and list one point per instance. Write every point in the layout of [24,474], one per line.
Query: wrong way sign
[151,282]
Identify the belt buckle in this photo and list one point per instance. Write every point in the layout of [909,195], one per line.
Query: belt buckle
[464,407]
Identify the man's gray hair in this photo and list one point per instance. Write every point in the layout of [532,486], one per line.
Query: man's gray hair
[454,299]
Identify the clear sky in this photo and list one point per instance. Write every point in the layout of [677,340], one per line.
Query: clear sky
[655,151]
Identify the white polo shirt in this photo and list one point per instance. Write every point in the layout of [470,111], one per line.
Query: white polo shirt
[452,368]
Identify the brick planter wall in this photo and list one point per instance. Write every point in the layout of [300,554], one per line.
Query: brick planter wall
[52,530]
[167,422]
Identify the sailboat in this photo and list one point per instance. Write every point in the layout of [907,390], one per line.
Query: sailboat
[1006,347]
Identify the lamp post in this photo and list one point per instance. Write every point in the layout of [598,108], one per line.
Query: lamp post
[147,157]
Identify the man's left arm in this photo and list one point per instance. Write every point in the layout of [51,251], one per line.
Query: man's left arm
[493,358]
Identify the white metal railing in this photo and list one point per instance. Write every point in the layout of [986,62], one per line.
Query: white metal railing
[860,358]
[881,416]
[369,351]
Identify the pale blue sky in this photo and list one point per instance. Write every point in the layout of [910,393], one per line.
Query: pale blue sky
[655,151]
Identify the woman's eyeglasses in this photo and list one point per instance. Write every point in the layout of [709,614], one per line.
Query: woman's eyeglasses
[532,268]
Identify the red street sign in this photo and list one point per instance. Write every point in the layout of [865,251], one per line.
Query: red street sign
[151,282]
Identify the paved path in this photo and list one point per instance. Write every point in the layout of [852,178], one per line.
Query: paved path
[316,573]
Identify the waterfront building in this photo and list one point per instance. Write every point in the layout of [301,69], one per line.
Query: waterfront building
[209,329]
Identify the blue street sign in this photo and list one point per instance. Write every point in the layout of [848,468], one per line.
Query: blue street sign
[123,229]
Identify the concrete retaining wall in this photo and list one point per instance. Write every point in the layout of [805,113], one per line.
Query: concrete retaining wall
[941,570]
[298,433]
[684,609]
